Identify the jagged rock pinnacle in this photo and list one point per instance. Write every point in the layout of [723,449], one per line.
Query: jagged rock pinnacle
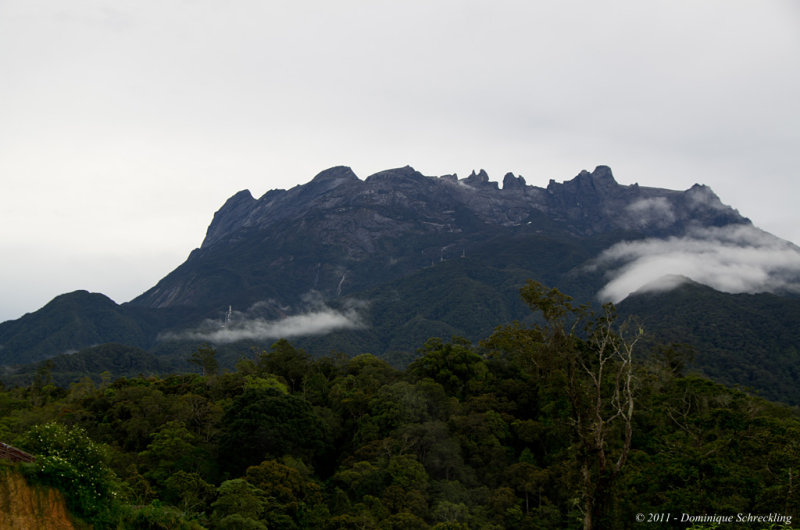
[510,182]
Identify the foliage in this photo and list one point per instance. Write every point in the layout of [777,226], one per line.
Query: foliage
[454,365]
[155,516]
[517,431]
[67,458]
[265,422]
[749,340]
[206,358]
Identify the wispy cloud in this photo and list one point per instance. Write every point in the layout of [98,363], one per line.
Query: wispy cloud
[732,259]
[317,320]
[655,211]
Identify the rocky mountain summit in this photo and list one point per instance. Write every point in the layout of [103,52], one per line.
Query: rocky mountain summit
[588,204]
[339,235]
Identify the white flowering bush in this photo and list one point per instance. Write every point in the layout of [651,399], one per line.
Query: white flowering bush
[69,460]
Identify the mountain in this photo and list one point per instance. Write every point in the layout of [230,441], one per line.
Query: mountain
[338,235]
[74,321]
[70,321]
[750,340]
[381,264]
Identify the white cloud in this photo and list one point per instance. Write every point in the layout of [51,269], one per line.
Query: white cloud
[243,326]
[656,211]
[732,259]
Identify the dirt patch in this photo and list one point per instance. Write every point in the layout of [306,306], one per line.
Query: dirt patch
[23,507]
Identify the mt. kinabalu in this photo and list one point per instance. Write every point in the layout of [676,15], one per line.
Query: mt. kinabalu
[338,235]
[383,264]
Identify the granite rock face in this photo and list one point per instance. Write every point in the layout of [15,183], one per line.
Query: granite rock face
[337,234]
[590,203]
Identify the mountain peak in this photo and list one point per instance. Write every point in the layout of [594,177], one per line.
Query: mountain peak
[601,177]
[396,174]
[479,180]
[335,173]
[511,182]
[229,217]
[599,181]
[603,173]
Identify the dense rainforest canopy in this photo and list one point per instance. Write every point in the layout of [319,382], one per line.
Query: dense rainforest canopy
[574,422]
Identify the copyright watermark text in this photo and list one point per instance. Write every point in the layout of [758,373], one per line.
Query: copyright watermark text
[742,518]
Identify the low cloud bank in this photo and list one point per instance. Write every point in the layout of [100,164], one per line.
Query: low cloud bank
[318,320]
[732,259]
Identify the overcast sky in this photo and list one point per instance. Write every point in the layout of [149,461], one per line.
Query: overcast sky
[125,124]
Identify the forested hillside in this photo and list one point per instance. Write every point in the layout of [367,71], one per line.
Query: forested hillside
[750,340]
[570,423]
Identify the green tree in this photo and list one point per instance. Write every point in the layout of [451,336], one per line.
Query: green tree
[405,471]
[404,521]
[43,388]
[581,366]
[172,449]
[361,478]
[206,358]
[263,423]
[132,410]
[294,499]
[352,391]
[436,447]
[239,504]
[69,460]
[285,361]
[188,491]
[454,365]
[156,516]
[398,404]
[593,359]
[529,480]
